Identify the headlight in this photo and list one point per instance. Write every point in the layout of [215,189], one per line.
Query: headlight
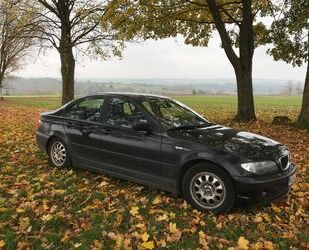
[262,167]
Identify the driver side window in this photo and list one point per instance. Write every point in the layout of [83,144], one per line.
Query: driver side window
[123,113]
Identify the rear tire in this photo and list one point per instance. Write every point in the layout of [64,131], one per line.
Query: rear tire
[58,154]
[207,187]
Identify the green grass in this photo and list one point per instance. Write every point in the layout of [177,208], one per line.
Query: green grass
[51,102]
[44,102]
[232,100]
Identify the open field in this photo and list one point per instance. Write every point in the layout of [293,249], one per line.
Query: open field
[291,101]
[48,208]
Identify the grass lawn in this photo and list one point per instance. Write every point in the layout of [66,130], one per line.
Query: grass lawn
[290,101]
[49,208]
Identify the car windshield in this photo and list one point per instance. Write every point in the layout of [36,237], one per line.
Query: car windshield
[173,115]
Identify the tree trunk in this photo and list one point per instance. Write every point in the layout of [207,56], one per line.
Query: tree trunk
[67,73]
[245,107]
[243,69]
[66,53]
[303,119]
[1,89]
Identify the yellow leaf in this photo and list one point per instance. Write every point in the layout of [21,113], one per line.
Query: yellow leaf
[201,235]
[257,246]
[275,208]
[119,240]
[24,223]
[58,191]
[47,217]
[202,239]
[140,225]
[45,206]
[219,225]
[288,235]
[66,237]
[300,194]
[76,245]
[148,245]
[157,200]
[172,215]
[134,211]
[103,184]
[20,210]
[173,227]
[126,244]
[258,218]
[268,245]
[2,243]
[243,243]
[266,217]
[162,217]
[145,236]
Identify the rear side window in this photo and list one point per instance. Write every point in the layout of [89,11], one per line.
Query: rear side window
[87,109]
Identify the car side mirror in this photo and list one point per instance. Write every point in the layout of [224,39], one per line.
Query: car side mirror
[142,127]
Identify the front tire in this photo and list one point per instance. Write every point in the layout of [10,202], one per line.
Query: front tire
[207,187]
[58,155]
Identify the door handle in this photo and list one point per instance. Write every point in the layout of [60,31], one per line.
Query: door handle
[75,125]
[69,124]
[89,129]
[105,131]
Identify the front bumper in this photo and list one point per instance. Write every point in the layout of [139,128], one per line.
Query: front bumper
[264,189]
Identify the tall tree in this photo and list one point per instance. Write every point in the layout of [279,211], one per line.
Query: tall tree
[235,22]
[290,36]
[76,26]
[15,37]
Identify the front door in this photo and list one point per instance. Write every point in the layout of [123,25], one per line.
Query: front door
[130,152]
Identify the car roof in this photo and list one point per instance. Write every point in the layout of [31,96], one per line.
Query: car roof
[130,94]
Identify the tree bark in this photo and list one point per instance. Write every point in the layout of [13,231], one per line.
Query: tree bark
[303,119]
[245,101]
[67,73]
[1,88]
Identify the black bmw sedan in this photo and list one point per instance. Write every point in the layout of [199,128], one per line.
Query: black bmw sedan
[162,143]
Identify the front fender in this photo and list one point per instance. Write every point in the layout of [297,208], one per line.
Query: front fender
[222,159]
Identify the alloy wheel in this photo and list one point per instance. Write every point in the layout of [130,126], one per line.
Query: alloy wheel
[208,190]
[58,153]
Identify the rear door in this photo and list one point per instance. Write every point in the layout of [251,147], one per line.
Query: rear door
[82,127]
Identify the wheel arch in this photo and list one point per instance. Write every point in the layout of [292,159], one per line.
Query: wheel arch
[53,136]
[186,166]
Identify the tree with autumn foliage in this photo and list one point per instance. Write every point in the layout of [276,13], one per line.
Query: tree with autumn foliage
[76,26]
[16,38]
[235,21]
[290,36]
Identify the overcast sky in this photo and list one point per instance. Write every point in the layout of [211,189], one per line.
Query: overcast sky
[168,58]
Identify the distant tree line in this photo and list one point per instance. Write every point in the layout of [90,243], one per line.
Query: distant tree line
[100,28]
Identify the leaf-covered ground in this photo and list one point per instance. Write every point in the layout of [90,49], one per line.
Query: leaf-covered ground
[49,208]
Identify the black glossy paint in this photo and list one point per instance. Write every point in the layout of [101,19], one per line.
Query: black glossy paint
[160,158]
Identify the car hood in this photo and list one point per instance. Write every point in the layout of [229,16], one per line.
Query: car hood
[242,144]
